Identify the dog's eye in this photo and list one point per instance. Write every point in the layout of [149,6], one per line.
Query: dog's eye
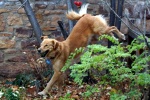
[45,45]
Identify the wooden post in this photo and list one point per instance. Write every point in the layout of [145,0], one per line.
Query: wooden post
[32,19]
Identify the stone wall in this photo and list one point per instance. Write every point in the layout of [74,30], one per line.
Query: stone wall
[17,35]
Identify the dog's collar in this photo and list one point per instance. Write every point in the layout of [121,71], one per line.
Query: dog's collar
[48,62]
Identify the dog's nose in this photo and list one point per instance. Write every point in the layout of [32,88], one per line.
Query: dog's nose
[39,50]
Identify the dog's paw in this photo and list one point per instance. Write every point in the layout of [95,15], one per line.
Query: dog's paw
[42,93]
[40,60]
[123,37]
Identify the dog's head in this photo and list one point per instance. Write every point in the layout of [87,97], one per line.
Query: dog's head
[48,47]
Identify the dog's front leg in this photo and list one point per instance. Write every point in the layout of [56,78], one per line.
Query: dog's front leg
[50,83]
[57,73]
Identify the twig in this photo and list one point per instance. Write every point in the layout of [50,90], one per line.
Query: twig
[144,24]
[22,5]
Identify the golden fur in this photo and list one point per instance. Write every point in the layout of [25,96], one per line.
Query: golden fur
[58,52]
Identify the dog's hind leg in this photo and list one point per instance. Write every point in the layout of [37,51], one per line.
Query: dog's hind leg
[114,29]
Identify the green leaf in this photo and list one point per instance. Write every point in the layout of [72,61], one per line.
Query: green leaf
[143,79]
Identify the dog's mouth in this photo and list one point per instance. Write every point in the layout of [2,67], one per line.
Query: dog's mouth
[43,54]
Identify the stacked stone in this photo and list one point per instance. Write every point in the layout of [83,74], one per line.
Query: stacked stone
[16,33]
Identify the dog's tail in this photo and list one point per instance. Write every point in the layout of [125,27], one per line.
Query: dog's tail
[72,15]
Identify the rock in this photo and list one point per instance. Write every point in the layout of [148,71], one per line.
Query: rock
[51,7]
[14,20]
[21,11]
[2,23]
[61,7]
[41,6]
[55,12]
[148,25]
[49,28]
[11,51]
[6,43]
[39,16]
[13,69]
[93,1]
[46,12]
[1,57]
[20,58]
[28,25]
[56,33]
[24,32]
[5,34]
[12,0]
[25,18]
[10,29]
[9,4]
[1,17]
[124,29]
[3,10]
[47,33]
[103,10]
[54,20]
[29,43]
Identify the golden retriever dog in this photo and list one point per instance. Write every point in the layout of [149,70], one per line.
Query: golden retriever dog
[58,52]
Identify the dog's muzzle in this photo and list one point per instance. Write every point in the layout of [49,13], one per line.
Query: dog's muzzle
[43,54]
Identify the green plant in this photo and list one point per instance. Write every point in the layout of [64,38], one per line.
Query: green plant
[66,97]
[90,90]
[1,93]
[118,97]
[23,80]
[126,80]
[12,95]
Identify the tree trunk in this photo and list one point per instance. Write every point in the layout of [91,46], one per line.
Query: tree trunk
[32,19]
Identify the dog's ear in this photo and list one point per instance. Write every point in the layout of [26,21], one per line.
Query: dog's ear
[55,44]
[44,37]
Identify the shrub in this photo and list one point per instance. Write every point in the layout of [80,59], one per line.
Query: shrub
[128,82]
